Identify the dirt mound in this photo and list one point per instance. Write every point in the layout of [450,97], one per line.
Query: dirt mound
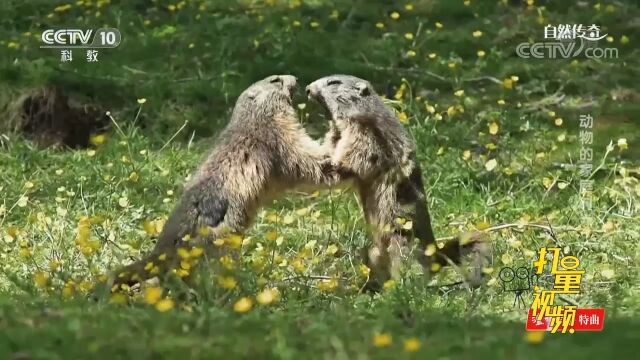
[49,117]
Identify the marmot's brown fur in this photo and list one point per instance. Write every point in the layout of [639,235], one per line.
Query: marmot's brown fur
[262,152]
[367,140]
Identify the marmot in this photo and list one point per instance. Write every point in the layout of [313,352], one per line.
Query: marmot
[368,140]
[262,152]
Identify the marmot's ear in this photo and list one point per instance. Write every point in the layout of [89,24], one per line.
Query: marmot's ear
[252,94]
[363,88]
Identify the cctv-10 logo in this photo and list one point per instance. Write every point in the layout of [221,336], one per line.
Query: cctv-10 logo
[70,38]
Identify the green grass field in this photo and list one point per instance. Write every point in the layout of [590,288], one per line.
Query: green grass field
[494,132]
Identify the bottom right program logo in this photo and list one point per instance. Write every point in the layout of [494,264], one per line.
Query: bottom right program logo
[544,315]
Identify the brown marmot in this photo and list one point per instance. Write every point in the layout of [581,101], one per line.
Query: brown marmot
[367,140]
[262,152]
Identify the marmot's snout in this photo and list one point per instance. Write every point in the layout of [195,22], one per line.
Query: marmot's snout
[289,81]
[313,92]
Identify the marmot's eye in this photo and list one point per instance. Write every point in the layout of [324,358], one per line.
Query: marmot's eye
[334,82]
[275,80]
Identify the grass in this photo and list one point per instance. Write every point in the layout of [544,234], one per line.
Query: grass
[67,217]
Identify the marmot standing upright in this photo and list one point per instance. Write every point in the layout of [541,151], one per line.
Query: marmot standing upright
[262,152]
[369,141]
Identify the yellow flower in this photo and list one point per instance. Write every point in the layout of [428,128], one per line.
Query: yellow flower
[267,296]
[477,34]
[395,15]
[501,102]
[411,53]
[62,8]
[435,267]
[274,218]
[97,139]
[380,25]
[466,155]
[507,83]
[328,284]
[459,93]
[142,101]
[271,235]
[439,25]
[227,282]
[123,202]
[558,121]
[183,253]
[493,128]
[150,228]
[364,270]
[331,250]
[430,250]
[624,40]
[403,117]
[243,305]
[164,305]
[481,53]
[491,164]
[411,344]
[314,24]
[54,265]
[68,289]
[622,144]
[389,284]
[297,23]
[535,337]
[41,279]
[227,262]
[382,340]
[196,252]
[432,55]
[152,295]
[203,231]
[408,36]
[408,7]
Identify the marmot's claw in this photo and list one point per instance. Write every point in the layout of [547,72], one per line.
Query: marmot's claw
[330,172]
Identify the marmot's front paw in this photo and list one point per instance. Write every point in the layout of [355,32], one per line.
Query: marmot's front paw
[330,172]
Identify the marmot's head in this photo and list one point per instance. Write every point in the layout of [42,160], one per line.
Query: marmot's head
[266,98]
[345,96]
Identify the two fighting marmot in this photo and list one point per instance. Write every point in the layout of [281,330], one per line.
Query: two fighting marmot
[264,151]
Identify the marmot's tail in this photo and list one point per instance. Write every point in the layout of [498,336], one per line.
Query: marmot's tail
[200,208]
